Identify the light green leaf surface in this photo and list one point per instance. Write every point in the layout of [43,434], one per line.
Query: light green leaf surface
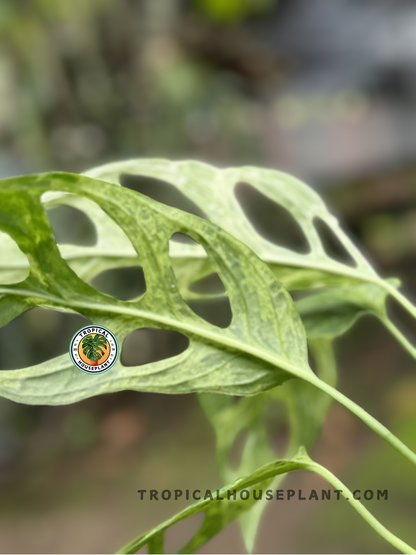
[14,266]
[264,345]
[332,312]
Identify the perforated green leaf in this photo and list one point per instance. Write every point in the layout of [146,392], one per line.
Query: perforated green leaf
[264,345]
[213,191]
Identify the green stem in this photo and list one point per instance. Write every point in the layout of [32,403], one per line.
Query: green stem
[371,422]
[400,337]
[400,298]
[359,507]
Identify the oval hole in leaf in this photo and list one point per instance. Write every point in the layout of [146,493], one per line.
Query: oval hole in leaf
[178,535]
[71,226]
[162,191]
[148,345]
[14,265]
[271,220]
[216,311]
[208,285]
[237,448]
[332,245]
[183,238]
[36,336]
[122,283]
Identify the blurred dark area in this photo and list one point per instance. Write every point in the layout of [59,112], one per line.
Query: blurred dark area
[323,90]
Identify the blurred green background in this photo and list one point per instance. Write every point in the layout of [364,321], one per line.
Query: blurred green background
[321,89]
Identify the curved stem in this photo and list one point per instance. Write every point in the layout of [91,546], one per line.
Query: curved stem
[400,337]
[359,507]
[371,422]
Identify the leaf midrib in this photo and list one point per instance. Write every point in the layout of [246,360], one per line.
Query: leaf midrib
[183,326]
[296,263]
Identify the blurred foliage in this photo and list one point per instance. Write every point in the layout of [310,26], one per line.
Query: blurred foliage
[86,79]
[230,11]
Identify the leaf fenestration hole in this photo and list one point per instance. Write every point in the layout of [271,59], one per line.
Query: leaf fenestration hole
[161,191]
[71,226]
[14,265]
[216,310]
[178,535]
[271,220]
[332,245]
[208,285]
[36,336]
[147,345]
[125,284]
[183,238]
